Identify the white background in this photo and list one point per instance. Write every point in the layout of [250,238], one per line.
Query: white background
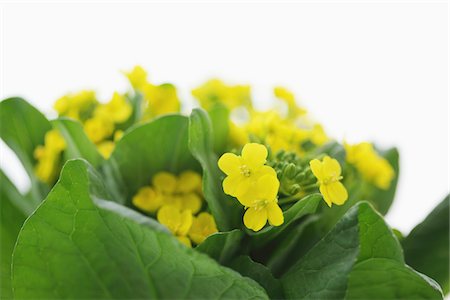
[368,71]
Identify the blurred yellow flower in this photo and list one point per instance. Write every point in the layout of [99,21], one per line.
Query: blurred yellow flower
[370,164]
[328,174]
[98,128]
[215,91]
[118,110]
[262,204]
[147,199]
[75,105]
[288,97]
[48,156]
[243,170]
[177,221]
[202,226]
[137,77]
[106,148]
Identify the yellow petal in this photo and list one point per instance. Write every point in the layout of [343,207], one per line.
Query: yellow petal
[331,167]
[165,182]
[254,155]
[147,200]
[334,192]
[185,241]
[185,222]
[244,186]
[316,168]
[230,163]
[191,202]
[255,219]
[230,184]
[169,216]
[265,170]
[274,214]
[188,181]
[267,187]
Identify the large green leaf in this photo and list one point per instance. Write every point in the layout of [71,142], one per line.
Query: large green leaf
[359,259]
[225,209]
[427,246]
[222,246]
[23,128]
[12,207]
[77,245]
[161,145]
[78,144]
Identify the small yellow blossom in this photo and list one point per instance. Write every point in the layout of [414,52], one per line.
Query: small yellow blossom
[215,91]
[328,174]
[243,170]
[202,226]
[176,220]
[161,99]
[370,164]
[48,156]
[262,204]
[75,105]
[117,110]
[137,77]
[147,199]
[106,148]
[289,98]
[98,128]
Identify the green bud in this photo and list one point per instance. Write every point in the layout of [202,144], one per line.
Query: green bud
[290,171]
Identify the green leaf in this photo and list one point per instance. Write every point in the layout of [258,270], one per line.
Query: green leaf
[359,259]
[427,246]
[143,151]
[23,129]
[301,208]
[78,144]
[78,245]
[219,115]
[12,207]
[260,273]
[226,210]
[222,246]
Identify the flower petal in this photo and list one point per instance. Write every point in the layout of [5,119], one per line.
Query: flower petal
[230,163]
[185,222]
[255,219]
[254,155]
[164,182]
[334,193]
[331,167]
[267,187]
[316,168]
[275,214]
[192,202]
[230,184]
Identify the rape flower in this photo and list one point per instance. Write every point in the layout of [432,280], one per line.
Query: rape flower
[137,77]
[202,226]
[215,91]
[98,128]
[289,98]
[262,204]
[373,167]
[117,109]
[106,148]
[75,105]
[243,170]
[147,199]
[161,99]
[177,221]
[328,174]
[48,156]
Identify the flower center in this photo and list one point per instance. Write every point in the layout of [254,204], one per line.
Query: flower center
[260,204]
[331,179]
[245,171]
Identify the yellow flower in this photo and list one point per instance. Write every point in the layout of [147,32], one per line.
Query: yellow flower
[161,99]
[48,156]
[98,128]
[202,226]
[373,167]
[262,204]
[54,141]
[328,174]
[106,148]
[176,220]
[147,199]
[181,191]
[289,98]
[243,170]
[215,91]
[318,135]
[238,135]
[74,105]
[137,77]
[117,109]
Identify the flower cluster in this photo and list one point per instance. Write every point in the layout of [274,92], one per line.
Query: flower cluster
[177,201]
[254,184]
